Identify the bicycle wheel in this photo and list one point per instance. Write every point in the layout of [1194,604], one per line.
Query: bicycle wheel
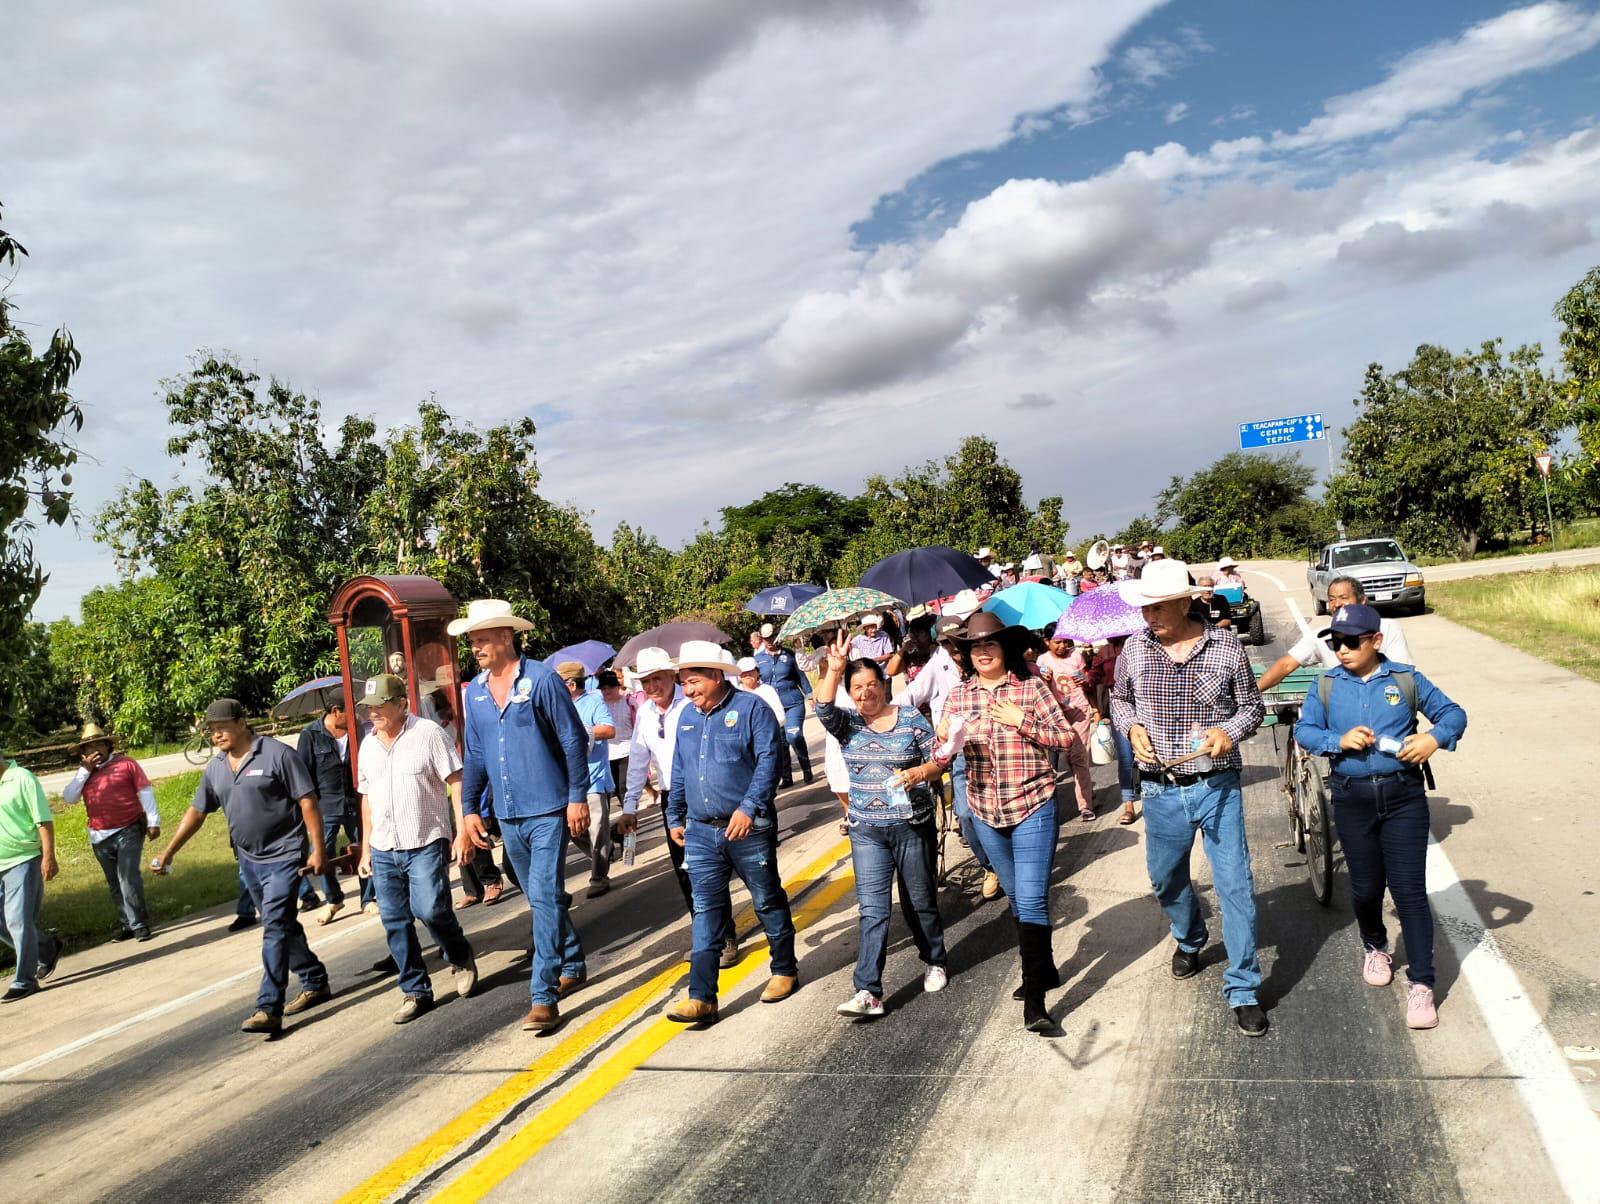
[945,820]
[198,750]
[1319,833]
[1288,779]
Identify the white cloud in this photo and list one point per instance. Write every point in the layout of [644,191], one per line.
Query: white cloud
[1441,74]
[1176,113]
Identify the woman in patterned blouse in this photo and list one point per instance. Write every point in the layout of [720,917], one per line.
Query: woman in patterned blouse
[889,753]
[1011,720]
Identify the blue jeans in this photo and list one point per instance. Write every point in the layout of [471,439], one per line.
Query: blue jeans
[120,856]
[332,892]
[1214,806]
[21,896]
[536,846]
[275,890]
[963,813]
[245,908]
[794,731]
[1383,829]
[878,852]
[1023,857]
[414,884]
[1127,772]
[711,860]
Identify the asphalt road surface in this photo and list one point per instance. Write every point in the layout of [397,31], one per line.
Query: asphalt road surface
[128,1079]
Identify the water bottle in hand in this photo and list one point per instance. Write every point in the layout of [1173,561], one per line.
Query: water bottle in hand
[899,796]
[1197,737]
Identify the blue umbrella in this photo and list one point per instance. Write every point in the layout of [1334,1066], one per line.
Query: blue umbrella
[920,575]
[1030,604]
[309,697]
[591,654]
[782,599]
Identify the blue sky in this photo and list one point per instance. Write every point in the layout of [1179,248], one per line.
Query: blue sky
[820,238]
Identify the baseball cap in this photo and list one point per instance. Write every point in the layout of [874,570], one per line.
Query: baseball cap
[571,671]
[225,710]
[1353,620]
[766,631]
[747,664]
[386,687]
[606,678]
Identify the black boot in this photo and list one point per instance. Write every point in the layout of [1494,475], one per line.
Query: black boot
[1038,970]
[1051,975]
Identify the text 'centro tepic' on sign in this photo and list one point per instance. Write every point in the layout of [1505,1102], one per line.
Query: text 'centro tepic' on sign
[1306,428]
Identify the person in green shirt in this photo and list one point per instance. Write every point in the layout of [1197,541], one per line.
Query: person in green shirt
[27,862]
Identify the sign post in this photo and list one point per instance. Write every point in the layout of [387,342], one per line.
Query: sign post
[1544,460]
[1274,432]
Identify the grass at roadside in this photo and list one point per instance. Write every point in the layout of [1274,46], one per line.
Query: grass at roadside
[1553,614]
[78,905]
[1579,533]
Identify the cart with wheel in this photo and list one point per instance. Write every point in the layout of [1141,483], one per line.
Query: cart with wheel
[1305,790]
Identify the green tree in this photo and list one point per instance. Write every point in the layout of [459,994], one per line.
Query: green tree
[1578,311]
[804,527]
[1441,453]
[38,418]
[1245,504]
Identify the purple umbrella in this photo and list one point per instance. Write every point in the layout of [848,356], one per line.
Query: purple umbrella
[1100,614]
[591,654]
[670,636]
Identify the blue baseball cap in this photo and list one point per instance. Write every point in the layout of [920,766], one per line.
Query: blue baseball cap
[1353,620]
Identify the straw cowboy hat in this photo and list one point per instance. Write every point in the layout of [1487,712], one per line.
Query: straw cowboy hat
[483,613]
[1227,562]
[703,654]
[1163,580]
[986,625]
[963,604]
[92,733]
[654,660]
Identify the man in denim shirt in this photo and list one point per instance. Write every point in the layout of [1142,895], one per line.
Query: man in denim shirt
[1363,716]
[720,809]
[780,670]
[527,754]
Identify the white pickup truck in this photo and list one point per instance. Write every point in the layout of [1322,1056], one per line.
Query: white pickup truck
[1387,576]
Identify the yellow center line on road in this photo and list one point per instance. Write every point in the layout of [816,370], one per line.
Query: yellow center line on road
[548,1124]
[437,1145]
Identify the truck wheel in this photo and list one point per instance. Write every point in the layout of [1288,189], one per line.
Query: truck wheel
[1320,607]
[1258,628]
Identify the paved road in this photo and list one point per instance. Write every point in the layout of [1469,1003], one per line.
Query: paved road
[1149,1092]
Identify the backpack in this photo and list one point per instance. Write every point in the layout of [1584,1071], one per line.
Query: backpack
[1407,681]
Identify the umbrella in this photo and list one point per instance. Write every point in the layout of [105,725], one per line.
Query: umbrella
[835,607]
[671,637]
[782,599]
[919,574]
[591,654]
[309,697]
[1100,614]
[1030,605]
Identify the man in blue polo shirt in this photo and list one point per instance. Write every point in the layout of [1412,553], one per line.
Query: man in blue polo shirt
[1362,715]
[527,756]
[270,802]
[720,809]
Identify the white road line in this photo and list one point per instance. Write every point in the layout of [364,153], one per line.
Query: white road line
[161,1009]
[1282,588]
[1296,615]
[1567,1126]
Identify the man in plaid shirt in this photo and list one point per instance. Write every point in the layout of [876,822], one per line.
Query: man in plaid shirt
[1185,693]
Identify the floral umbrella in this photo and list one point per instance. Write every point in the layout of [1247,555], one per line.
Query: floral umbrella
[1100,614]
[837,606]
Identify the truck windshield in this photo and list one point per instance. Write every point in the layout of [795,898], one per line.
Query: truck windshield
[1377,552]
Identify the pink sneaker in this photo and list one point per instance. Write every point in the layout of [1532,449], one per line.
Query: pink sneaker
[1420,1012]
[1377,967]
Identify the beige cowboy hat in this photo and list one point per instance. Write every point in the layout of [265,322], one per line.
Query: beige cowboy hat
[703,654]
[92,733]
[653,660]
[963,604]
[1227,562]
[483,613]
[1163,580]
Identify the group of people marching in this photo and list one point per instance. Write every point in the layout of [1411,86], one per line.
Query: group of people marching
[540,760]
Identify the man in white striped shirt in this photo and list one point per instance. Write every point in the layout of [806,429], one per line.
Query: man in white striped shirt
[410,784]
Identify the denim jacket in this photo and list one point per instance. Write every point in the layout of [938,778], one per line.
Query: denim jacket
[529,759]
[725,761]
[780,671]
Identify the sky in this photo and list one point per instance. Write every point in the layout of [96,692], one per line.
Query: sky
[711,246]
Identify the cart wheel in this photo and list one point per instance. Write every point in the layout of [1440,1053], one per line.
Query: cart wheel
[1258,628]
[1319,835]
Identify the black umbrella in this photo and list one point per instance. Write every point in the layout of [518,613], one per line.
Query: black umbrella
[920,575]
[670,637]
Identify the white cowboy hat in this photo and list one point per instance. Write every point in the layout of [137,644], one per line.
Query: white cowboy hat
[653,660]
[963,604]
[483,613]
[1163,581]
[747,664]
[984,553]
[767,630]
[1227,562]
[1158,550]
[872,620]
[703,654]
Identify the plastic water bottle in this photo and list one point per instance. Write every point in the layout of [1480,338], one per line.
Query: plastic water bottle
[1197,737]
[1388,744]
[898,795]
[630,846]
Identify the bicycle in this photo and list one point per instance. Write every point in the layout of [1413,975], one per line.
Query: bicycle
[1304,790]
[944,823]
[197,749]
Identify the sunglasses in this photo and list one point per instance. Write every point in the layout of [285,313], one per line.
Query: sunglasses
[1352,642]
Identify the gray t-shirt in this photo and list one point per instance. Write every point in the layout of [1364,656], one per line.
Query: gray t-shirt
[261,800]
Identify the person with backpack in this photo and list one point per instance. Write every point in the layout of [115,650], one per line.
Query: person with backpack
[1363,717]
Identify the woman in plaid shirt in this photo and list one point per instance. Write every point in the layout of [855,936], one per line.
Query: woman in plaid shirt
[1009,721]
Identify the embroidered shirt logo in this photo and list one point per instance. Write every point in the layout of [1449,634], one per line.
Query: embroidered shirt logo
[731,719]
[1391,694]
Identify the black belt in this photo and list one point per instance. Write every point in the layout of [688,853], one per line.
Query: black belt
[714,823]
[1401,775]
[1181,779]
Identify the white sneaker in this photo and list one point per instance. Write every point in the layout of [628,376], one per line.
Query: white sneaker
[934,979]
[862,1003]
